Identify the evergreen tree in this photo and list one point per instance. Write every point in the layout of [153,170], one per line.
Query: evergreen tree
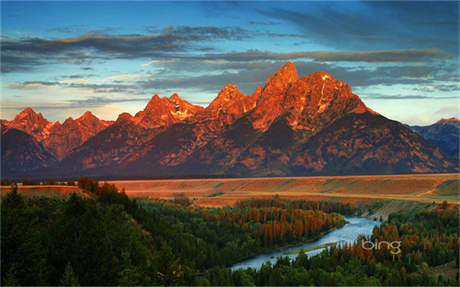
[10,278]
[69,278]
[128,276]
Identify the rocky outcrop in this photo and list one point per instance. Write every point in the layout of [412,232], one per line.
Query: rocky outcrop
[22,153]
[58,139]
[164,112]
[368,143]
[291,126]
[64,138]
[32,123]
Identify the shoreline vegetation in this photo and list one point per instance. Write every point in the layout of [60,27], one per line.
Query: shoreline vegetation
[104,237]
[305,250]
[293,245]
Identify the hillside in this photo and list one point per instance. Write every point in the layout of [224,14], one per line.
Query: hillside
[292,126]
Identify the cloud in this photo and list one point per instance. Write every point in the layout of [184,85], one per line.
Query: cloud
[246,81]
[28,53]
[205,32]
[69,29]
[78,76]
[331,22]
[74,81]
[248,71]
[36,85]
[19,62]
[435,23]
[161,62]
[363,25]
[123,45]
[248,74]
[102,101]
[105,31]
[123,77]
[451,110]
[88,102]
[407,55]
[152,28]
[440,87]
[263,23]
[77,85]
[402,97]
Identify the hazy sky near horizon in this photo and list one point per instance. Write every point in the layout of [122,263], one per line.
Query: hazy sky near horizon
[63,58]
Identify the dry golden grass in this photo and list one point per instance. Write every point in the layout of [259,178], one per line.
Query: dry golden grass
[226,192]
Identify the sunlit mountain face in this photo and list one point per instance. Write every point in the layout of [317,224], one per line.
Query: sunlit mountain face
[226,143]
[229,88]
[292,125]
[63,59]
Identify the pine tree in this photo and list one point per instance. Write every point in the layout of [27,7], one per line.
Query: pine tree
[69,278]
[128,275]
[10,278]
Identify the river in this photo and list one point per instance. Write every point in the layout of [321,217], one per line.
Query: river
[347,233]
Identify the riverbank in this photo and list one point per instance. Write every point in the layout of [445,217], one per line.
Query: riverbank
[387,207]
[305,250]
[294,245]
[347,233]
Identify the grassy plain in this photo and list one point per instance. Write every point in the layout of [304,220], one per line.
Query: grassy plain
[426,188]
[422,188]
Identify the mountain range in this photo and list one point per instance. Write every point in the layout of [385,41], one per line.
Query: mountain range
[310,125]
[444,133]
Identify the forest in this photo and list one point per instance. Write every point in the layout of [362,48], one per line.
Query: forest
[107,238]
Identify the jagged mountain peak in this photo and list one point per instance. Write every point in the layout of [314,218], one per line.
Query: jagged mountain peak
[291,125]
[153,101]
[27,110]
[86,119]
[29,113]
[87,116]
[125,117]
[227,94]
[175,98]
[229,88]
[287,74]
[163,112]
[281,80]
[308,103]
[68,121]
[448,120]
[31,122]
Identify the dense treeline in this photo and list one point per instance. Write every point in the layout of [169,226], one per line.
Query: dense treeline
[106,238]
[28,181]
[207,238]
[428,238]
[5,181]
[326,206]
[276,226]
[46,240]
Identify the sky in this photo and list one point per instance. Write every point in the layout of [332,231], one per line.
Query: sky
[64,58]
